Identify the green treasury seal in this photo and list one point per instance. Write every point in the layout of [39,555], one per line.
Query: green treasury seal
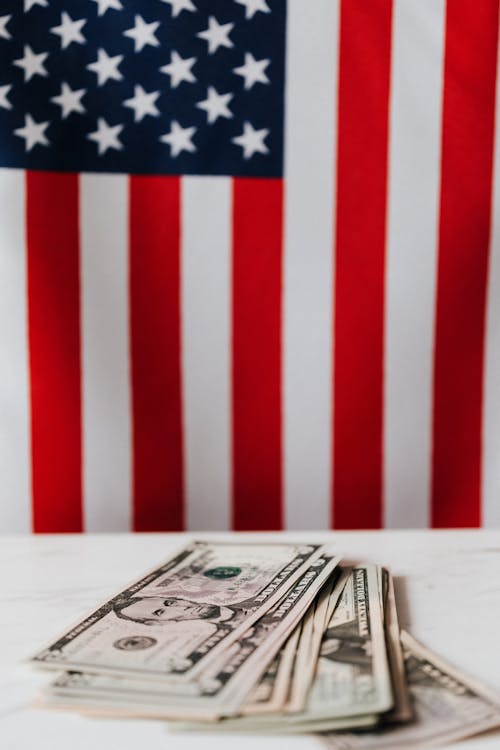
[223,571]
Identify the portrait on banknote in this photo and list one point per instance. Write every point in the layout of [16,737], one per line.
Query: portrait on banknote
[172,621]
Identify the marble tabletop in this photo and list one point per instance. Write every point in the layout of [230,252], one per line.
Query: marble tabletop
[447,587]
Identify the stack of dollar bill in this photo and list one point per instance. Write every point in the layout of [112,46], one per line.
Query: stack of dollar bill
[270,638]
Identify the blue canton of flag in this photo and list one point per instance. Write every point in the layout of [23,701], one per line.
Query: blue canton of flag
[143,86]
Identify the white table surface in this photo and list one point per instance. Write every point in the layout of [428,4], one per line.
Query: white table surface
[447,588]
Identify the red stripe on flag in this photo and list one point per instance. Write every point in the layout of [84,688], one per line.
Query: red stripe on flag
[466,178]
[155,350]
[54,350]
[363,109]
[257,262]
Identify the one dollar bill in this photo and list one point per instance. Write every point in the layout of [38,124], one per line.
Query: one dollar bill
[352,675]
[448,707]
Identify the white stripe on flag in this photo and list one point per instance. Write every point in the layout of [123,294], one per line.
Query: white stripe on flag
[491,397]
[206,326]
[310,139]
[414,167]
[105,352]
[15,462]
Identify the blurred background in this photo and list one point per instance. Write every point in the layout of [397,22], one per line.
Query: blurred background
[249,264]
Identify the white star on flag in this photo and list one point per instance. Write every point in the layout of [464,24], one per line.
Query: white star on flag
[215,105]
[179,139]
[69,30]
[4,34]
[69,101]
[252,141]
[29,4]
[143,33]
[106,136]
[33,133]
[106,67]
[217,35]
[4,102]
[143,103]
[104,5]
[31,64]
[179,5]
[253,70]
[179,69]
[253,6]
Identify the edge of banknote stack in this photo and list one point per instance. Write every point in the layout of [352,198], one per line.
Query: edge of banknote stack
[262,637]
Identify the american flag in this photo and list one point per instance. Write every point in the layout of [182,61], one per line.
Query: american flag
[249,264]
